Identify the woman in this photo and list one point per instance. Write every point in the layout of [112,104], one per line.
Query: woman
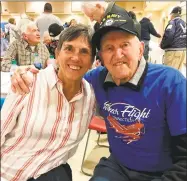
[41,130]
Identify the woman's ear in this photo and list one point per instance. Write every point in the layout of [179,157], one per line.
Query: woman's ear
[56,52]
[56,55]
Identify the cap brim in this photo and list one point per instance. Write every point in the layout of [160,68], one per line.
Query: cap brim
[98,35]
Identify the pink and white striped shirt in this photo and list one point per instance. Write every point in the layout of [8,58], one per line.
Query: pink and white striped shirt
[41,130]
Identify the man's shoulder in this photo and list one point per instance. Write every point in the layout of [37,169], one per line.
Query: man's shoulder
[42,45]
[165,73]
[17,43]
[96,71]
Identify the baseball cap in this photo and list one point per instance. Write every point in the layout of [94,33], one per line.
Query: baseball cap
[176,10]
[115,21]
[55,29]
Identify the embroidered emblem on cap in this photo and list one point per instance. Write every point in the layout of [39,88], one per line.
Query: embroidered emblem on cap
[108,22]
[110,19]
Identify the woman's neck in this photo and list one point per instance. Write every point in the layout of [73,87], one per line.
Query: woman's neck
[70,88]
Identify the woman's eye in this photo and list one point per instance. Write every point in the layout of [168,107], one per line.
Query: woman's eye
[68,48]
[84,51]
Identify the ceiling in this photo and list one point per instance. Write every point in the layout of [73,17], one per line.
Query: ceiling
[140,6]
[68,7]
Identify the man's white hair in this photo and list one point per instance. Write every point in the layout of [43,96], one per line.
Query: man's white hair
[25,28]
[92,4]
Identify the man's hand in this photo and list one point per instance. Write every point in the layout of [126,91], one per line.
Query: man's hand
[20,81]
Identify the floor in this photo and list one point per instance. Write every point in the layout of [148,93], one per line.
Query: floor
[94,153]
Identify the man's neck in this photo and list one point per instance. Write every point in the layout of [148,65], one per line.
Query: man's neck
[118,82]
[47,12]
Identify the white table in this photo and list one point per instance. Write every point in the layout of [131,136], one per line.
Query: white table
[5,83]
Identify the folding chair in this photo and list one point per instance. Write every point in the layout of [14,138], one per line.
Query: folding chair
[96,124]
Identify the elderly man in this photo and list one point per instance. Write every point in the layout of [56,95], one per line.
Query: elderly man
[40,131]
[143,104]
[24,49]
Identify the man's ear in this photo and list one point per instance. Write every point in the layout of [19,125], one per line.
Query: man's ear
[98,5]
[100,57]
[24,36]
[141,50]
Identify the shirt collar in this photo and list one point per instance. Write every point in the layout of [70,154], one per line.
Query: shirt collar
[134,83]
[26,46]
[51,75]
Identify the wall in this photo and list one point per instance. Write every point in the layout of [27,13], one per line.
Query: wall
[64,17]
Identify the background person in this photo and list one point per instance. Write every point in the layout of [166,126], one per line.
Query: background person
[4,43]
[11,31]
[46,19]
[174,40]
[52,37]
[137,24]
[96,10]
[22,50]
[147,29]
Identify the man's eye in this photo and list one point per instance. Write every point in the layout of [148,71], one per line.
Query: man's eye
[108,48]
[125,45]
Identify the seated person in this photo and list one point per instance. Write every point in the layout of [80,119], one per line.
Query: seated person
[40,131]
[22,50]
[51,37]
[4,43]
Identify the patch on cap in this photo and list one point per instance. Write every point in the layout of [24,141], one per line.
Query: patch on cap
[110,19]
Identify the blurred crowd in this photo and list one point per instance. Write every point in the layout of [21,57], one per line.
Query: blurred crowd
[46,29]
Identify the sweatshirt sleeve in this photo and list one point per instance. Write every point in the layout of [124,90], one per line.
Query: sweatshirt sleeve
[168,35]
[178,171]
[153,31]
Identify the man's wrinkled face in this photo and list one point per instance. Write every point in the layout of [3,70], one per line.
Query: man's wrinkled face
[121,53]
[74,59]
[32,36]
